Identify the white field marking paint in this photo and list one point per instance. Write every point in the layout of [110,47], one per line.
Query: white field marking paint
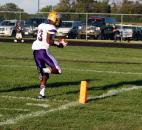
[114,92]
[99,71]
[66,106]
[38,113]
[39,105]
[82,70]
[24,98]
[31,99]
[14,109]
[19,66]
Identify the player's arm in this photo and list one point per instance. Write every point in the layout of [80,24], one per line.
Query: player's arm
[50,40]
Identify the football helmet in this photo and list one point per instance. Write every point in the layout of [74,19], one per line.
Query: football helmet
[55,17]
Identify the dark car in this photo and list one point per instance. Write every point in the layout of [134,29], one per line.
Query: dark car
[107,32]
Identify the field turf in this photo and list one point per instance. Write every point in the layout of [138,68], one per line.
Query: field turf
[114,78]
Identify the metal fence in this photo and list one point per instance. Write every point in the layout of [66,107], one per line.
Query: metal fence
[129,25]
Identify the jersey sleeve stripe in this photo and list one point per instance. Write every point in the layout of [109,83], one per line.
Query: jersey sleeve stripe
[53,31]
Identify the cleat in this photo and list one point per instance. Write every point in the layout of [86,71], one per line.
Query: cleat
[15,41]
[22,41]
[41,97]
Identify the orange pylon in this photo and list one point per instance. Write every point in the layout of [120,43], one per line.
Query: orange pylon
[83,92]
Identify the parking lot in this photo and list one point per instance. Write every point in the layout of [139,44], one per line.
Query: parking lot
[84,26]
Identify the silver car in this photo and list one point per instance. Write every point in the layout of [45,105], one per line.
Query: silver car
[68,29]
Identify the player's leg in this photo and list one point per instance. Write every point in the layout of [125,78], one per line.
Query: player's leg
[18,38]
[43,80]
[43,77]
[15,40]
[21,37]
[54,67]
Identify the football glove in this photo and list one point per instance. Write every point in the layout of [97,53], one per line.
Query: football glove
[61,43]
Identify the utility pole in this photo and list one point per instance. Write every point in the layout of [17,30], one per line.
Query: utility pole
[38,5]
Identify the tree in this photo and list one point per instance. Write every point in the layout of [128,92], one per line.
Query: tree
[46,9]
[128,7]
[65,6]
[10,15]
[83,6]
[102,7]
[10,7]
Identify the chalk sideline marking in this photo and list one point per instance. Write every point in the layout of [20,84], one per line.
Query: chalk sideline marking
[15,109]
[114,92]
[82,70]
[38,105]
[30,99]
[66,106]
[109,72]
[18,66]
[37,114]
[24,98]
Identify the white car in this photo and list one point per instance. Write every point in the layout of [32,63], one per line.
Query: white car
[68,29]
[7,27]
[126,31]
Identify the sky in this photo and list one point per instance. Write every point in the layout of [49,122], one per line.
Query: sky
[30,6]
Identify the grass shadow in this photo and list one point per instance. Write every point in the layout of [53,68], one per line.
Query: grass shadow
[50,85]
[117,85]
[108,87]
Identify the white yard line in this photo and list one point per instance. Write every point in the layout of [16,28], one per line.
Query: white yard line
[81,70]
[114,92]
[38,105]
[24,98]
[37,114]
[15,109]
[104,71]
[18,66]
[30,98]
[66,106]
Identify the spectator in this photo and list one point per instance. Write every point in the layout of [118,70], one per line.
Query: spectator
[18,36]
[117,34]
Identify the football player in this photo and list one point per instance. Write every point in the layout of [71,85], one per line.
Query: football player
[18,36]
[45,61]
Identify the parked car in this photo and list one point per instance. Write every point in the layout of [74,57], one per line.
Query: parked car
[31,25]
[8,27]
[92,29]
[137,32]
[107,32]
[1,19]
[126,32]
[68,29]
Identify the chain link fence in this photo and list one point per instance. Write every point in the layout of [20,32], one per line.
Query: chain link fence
[94,26]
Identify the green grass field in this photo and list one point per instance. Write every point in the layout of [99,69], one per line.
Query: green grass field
[114,78]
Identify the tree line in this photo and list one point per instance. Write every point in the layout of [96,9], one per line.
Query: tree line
[101,6]
[82,6]
[87,6]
